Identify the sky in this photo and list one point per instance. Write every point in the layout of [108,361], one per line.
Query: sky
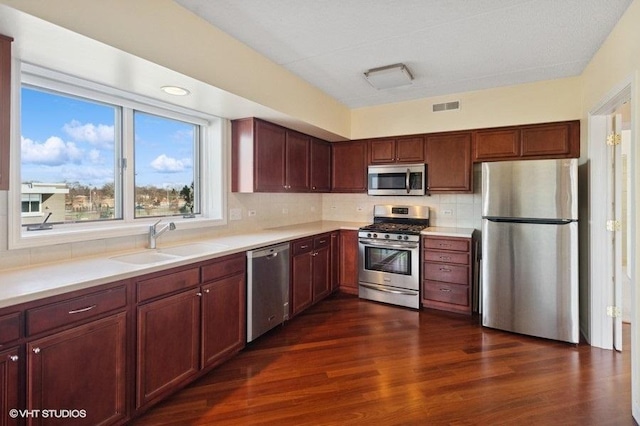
[65,139]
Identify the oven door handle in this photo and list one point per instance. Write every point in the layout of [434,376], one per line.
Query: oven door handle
[372,243]
[387,290]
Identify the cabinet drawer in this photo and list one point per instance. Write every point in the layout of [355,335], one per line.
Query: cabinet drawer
[321,241]
[9,327]
[302,246]
[445,292]
[70,311]
[446,257]
[223,267]
[456,244]
[446,273]
[165,284]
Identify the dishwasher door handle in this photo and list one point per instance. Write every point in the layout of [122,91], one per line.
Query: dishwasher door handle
[272,255]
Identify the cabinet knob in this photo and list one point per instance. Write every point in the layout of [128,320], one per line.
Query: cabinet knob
[207,290]
[14,358]
[199,294]
[36,350]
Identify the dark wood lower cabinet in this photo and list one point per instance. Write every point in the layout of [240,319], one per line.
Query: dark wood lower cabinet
[81,369]
[301,276]
[223,319]
[349,261]
[9,386]
[168,344]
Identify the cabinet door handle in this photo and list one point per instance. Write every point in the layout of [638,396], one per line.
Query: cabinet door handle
[199,294]
[207,290]
[36,350]
[444,245]
[304,247]
[445,270]
[446,290]
[14,358]
[81,310]
[322,241]
[445,258]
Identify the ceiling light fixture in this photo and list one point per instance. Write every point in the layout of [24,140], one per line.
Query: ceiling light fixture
[175,90]
[390,76]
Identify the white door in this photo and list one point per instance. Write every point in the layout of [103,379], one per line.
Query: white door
[614,140]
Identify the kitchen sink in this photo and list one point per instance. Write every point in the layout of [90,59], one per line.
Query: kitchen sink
[193,249]
[145,257]
[151,256]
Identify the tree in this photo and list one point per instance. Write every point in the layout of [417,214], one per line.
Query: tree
[187,195]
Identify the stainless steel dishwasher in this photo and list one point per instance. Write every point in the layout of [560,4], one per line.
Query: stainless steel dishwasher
[267,289]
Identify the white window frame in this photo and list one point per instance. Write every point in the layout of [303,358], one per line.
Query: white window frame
[213,133]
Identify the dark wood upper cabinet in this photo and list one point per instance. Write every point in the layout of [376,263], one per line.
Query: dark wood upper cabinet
[320,165]
[496,144]
[396,150]
[536,141]
[449,167]
[349,166]
[5,108]
[297,164]
[269,158]
[551,140]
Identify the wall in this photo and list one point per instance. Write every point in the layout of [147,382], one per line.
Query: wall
[451,210]
[545,101]
[163,32]
[617,61]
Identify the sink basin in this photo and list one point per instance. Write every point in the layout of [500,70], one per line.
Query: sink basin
[193,249]
[144,258]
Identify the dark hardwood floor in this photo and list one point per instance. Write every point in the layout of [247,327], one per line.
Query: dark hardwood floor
[347,361]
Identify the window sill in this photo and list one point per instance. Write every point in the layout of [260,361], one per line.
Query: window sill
[63,234]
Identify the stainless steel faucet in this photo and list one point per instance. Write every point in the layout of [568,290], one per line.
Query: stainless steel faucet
[154,233]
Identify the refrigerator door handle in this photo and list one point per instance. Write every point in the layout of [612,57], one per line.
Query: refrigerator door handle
[529,220]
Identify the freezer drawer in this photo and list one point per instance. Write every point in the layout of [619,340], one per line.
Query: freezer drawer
[530,279]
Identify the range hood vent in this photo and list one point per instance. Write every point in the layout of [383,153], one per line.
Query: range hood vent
[446,106]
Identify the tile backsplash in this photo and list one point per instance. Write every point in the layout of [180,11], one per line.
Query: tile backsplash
[252,212]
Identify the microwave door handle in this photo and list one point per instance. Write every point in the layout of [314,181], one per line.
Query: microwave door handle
[407,181]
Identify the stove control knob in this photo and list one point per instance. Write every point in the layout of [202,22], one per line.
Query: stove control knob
[386,236]
[375,235]
[406,238]
[399,237]
[369,235]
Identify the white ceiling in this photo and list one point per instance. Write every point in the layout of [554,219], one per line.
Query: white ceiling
[450,46]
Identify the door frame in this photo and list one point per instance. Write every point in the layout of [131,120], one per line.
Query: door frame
[600,287]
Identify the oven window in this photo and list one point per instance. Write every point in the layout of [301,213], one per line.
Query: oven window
[394,261]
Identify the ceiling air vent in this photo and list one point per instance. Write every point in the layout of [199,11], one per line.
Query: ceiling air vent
[446,106]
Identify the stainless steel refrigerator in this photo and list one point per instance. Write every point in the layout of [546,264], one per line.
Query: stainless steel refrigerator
[530,248]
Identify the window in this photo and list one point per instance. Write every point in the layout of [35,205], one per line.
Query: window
[165,183]
[70,142]
[31,203]
[92,156]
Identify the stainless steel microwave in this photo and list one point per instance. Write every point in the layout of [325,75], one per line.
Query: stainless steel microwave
[397,179]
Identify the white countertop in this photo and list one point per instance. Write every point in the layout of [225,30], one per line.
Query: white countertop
[443,231]
[31,283]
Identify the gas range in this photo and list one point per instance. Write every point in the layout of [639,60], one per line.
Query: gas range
[389,255]
[396,223]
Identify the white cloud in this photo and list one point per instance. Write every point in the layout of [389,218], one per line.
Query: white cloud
[88,175]
[166,164]
[54,151]
[99,135]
